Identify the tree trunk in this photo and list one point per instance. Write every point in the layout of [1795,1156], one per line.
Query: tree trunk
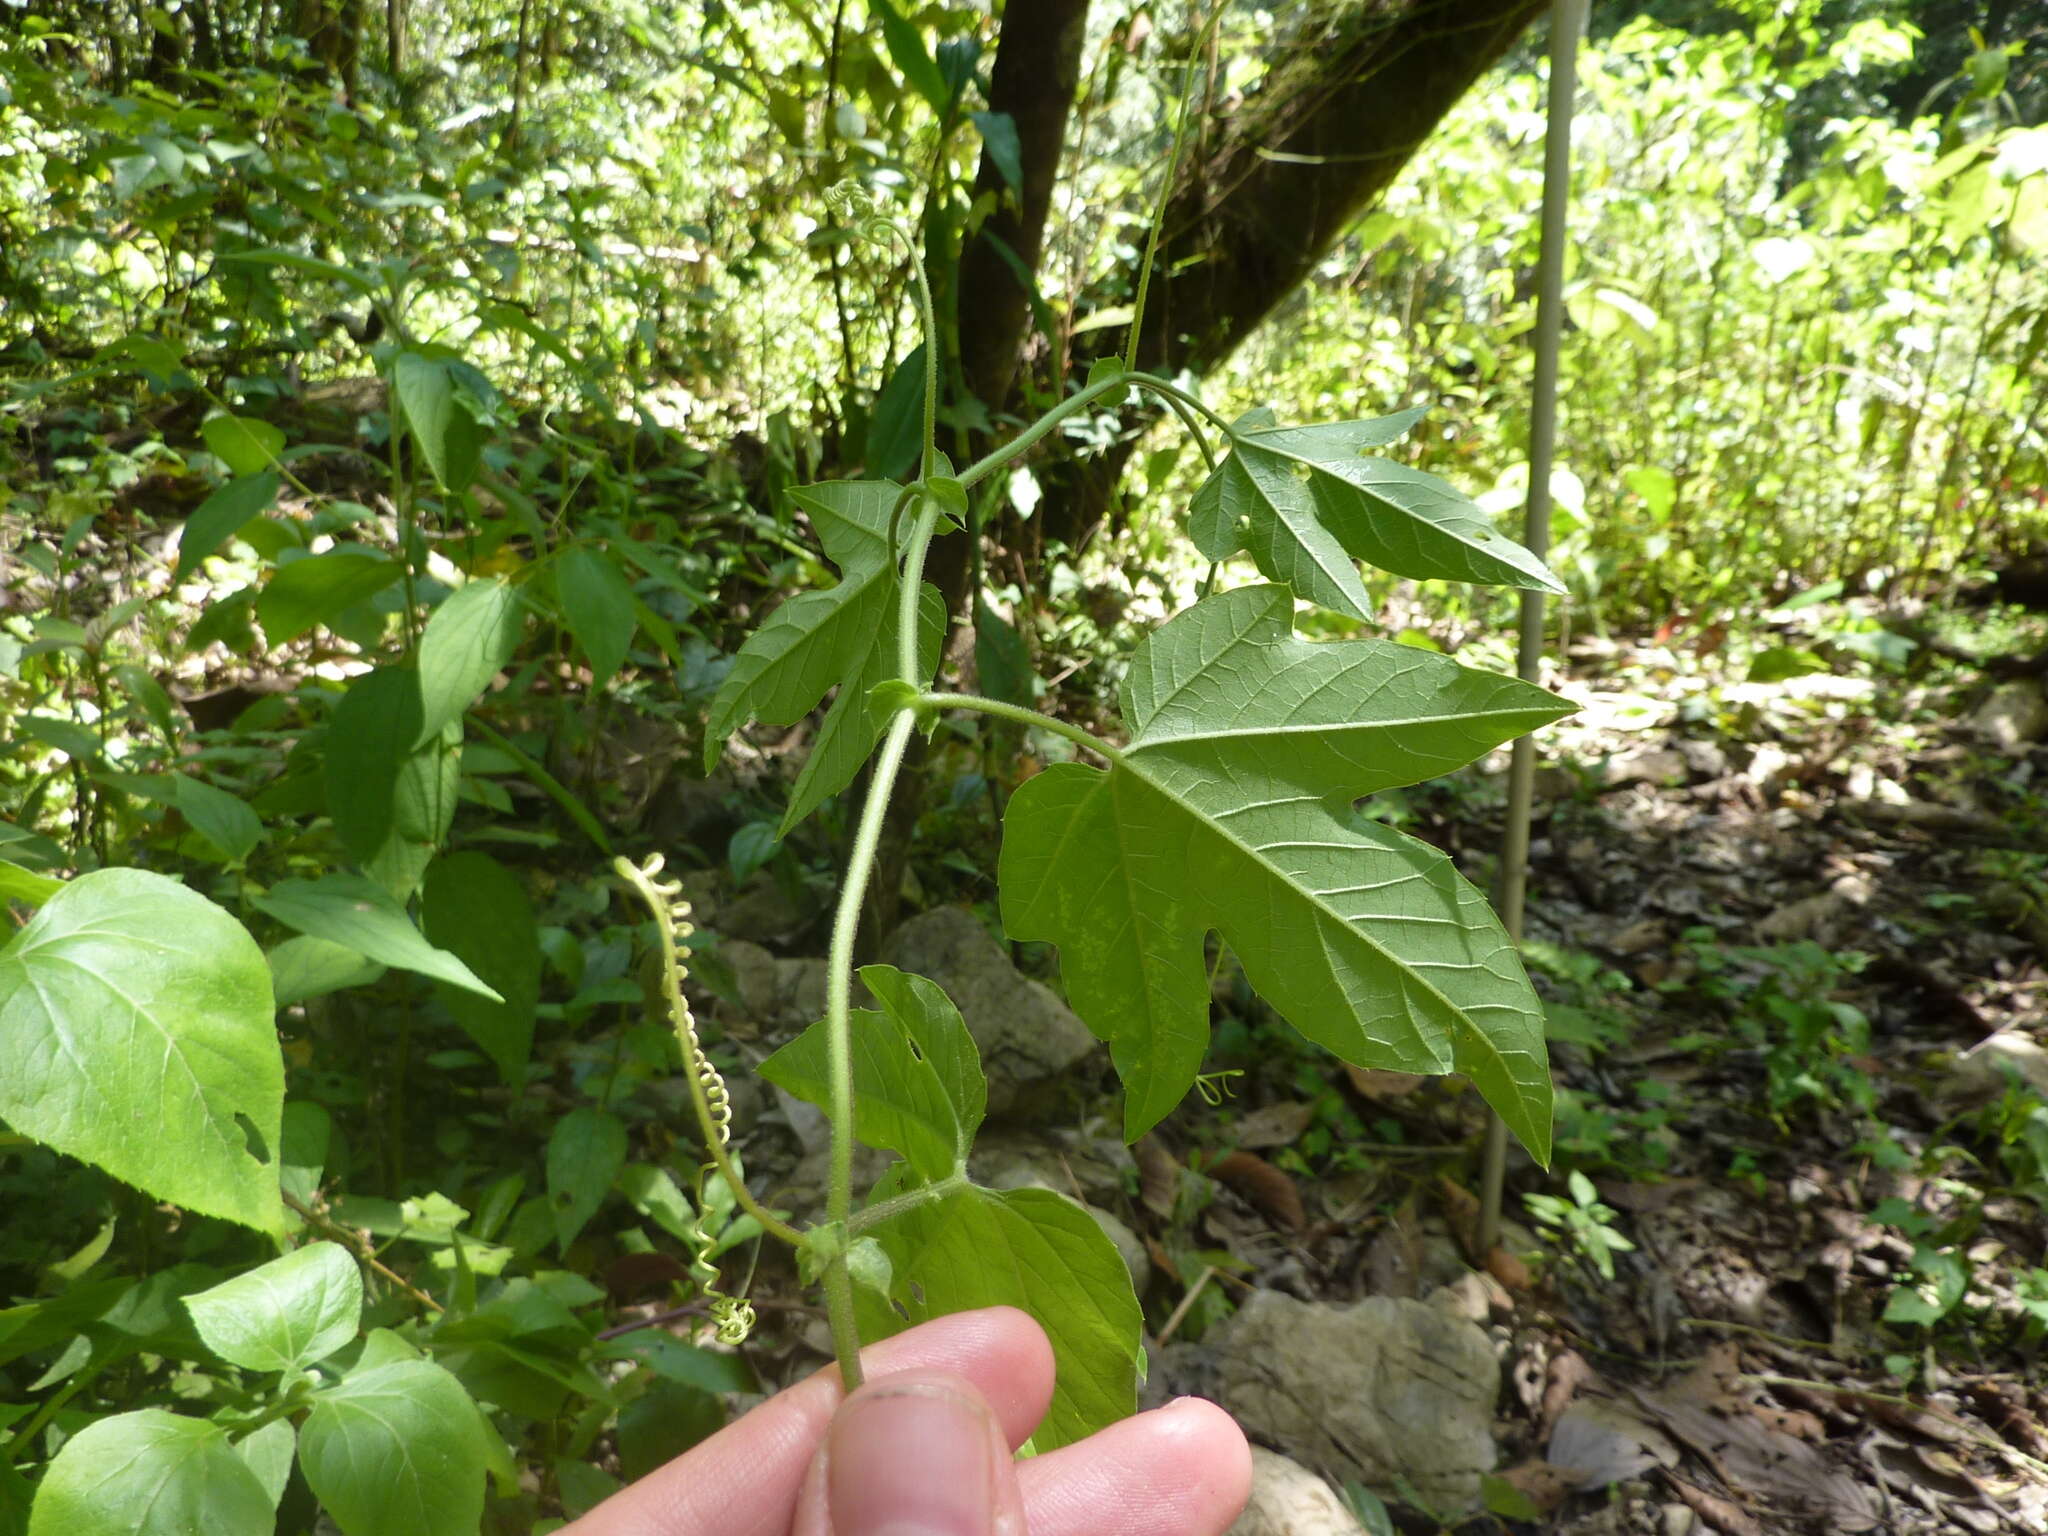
[1291,170]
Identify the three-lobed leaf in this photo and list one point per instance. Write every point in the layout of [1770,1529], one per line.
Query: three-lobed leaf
[843,636]
[136,1034]
[1230,811]
[151,1473]
[284,1315]
[1308,502]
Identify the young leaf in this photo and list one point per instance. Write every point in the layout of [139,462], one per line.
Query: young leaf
[285,1315]
[896,430]
[318,589]
[370,739]
[476,909]
[268,1452]
[151,1473]
[585,1153]
[396,1449]
[843,636]
[216,519]
[467,642]
[1306,502]
[1005,150]
[1028,1248]
[598,603]
[1230,810]
[361,915]
[136,1034]
[917,1080]
[224,820]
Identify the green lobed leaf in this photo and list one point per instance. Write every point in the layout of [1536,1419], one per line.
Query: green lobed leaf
[215,520]
[597,602]
[361,915]
[1306,502]
[467,642]
[917,1082]
[843,636]
[318,589]
[476,909]
[285,1315]
[586,1150]
[1230,810]
[396,1448]
[1036,1250]
[136,1034]
[151,1473]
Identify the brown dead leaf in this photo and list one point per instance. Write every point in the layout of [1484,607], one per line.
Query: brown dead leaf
[1543,1485]
[1269,1190]
[1717,1512]
[1561,1382]
[1375,1084]
[1159,1174]
[1392,1259]
[1644,933]
[1276,1125]
[1509,1270]
[1461,1214]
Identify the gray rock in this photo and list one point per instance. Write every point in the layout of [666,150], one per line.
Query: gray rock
[764,912]
[1289,1500]
[2012,715]
[1027,1036]
[1381,1390]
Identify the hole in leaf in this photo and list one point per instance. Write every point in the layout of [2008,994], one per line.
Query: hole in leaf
[253,1138]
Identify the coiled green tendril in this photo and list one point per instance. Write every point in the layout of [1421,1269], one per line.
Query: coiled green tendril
[733,1315]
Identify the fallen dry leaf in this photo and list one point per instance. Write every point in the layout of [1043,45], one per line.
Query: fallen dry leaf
[1543,1485]
[1269,1190]
[1375,1084]
[1602,1441]
[1276,1125]
[1159,1174]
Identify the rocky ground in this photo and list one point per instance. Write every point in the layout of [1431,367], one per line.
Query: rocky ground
[1793,933]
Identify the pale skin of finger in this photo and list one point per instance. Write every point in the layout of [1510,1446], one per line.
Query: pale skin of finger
[897,1474]
[1181,1470]
[744,1480]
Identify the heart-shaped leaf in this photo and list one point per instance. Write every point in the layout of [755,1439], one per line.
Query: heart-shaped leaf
[361,915]
[284,1315]
[396,1448]
[151,1473]
[1230,810]
[136,1034]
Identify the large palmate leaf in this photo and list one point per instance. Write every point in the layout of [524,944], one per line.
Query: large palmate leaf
[1306,503]
[136,1034]
[1231,810]
[843,636]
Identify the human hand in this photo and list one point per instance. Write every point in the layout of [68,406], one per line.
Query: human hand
[923,1449]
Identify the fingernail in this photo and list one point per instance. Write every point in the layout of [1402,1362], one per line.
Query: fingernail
[914,1459]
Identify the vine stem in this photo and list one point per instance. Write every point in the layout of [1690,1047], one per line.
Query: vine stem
[1172,394]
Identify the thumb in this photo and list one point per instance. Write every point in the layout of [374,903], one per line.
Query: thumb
[914,1454]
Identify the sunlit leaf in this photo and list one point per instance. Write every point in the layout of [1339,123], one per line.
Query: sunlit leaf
[284,1315]
[151,1473]
[136,1034]
[1230,811]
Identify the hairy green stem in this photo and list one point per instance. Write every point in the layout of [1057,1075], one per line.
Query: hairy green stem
[1180,136]
[909,1200]
[1086,740]
[987,465]
[839,1029]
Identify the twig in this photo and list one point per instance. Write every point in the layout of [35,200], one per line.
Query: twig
[1181,1311]
[355,1243]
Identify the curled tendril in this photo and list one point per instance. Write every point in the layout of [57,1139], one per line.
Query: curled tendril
[732,1315]
[854,203]
[1215,1087]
